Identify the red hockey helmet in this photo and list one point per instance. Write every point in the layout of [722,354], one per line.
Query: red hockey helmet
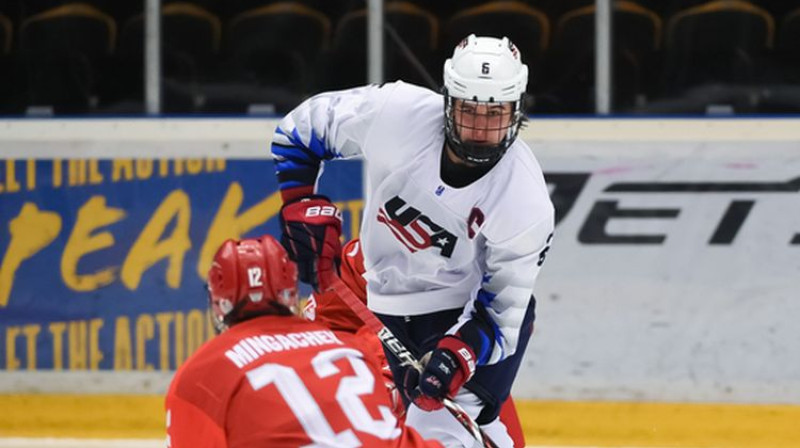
[248,278]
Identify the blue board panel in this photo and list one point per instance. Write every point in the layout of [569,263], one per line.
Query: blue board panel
[103,261]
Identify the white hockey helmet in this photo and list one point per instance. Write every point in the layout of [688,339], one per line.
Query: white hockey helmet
[484,70]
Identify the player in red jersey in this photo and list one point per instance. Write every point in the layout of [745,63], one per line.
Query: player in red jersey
[271,378]
[330,310]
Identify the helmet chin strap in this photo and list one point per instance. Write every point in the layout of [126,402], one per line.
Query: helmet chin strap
[455,158]
[457,172]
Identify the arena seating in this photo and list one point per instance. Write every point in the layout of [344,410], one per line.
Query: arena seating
[65,52]
[571,62]
[412,29]
[221,56]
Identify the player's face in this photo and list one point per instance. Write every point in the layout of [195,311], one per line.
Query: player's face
[481,123]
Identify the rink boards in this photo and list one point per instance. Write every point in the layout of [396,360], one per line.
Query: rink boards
[545,423]
[672,278]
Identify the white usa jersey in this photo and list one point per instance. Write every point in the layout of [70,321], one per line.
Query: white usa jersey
[427,246]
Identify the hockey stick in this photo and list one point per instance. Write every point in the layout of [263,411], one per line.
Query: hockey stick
[401,352]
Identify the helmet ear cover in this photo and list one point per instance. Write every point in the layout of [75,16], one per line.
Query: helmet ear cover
[484,71]
[249,278]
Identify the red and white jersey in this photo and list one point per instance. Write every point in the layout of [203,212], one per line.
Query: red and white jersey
[282,382]
[428,246]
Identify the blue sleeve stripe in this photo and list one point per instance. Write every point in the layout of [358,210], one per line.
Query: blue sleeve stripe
[500,344]
[485,297]
[317,146]
[486,349]
[498,338]
[294,153]
[296,139]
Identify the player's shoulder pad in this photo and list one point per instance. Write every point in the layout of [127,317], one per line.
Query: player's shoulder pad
[518,196]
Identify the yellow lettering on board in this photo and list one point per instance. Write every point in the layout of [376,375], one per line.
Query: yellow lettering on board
[195,331]
[95,176]
[58,173]
[12,363]
[77,345]
[353,208]
[123,353]
[180,339]
[30,177]
[215,165]
[91,216]
[76,172]
[95,355]
[163,319]
[31,231]
[144,332]
[121,169]
[147,249]
[31,331]
[211,331]
[12,185]
[144,169]
[57,330]
[178,166]
[163,167]
[227,224]
[194,166]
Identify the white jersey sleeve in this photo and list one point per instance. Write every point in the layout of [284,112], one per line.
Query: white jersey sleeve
[518,232]
[507,289]
[326,126]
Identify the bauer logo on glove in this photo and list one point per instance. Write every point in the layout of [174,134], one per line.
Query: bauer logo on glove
[311,227]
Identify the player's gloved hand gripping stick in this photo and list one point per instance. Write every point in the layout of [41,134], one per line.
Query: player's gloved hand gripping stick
[398,349]
[310,230]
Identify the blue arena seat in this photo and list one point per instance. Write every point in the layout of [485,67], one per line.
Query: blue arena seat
[65,52]
[332,9]
[191,41]
[278,45]
[781,86]
[417,30]
[7,67]
[720,41]
[527,26]
[571,62]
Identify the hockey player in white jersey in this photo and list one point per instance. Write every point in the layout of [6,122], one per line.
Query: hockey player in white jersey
[457,222]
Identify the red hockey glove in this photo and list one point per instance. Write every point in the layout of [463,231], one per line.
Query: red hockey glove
[310,228]
[448,367]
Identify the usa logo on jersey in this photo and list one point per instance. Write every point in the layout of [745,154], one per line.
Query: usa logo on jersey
[415,230]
